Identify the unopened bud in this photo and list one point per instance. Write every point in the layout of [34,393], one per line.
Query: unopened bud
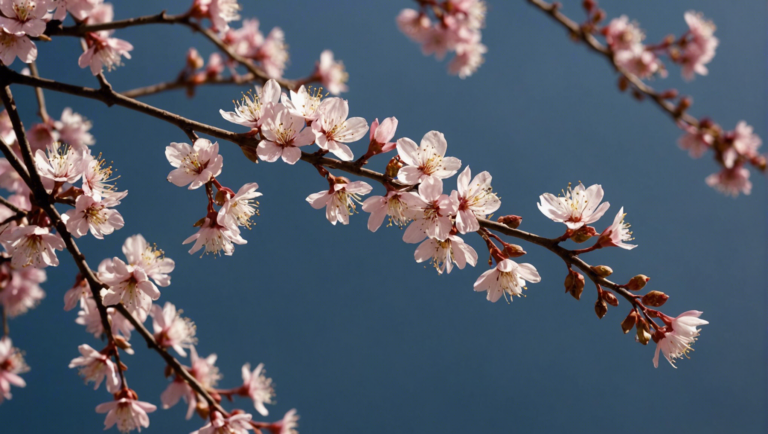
[669,94]
[683,105]
[638,95]
[602,270]
[393,167]
[194,61]
[638,282]
[609,298]
[589,5]
[601,308]
[513,250]
[643,333]
[629,321]
[122,343]
[760,162]
[655,299]
[583,234]
[512,221]
[623,83]
[574,283]
[202,409]
[250,153]
[221,197]
[599,16]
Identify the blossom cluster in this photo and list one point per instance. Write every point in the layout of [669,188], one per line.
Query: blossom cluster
[456,28]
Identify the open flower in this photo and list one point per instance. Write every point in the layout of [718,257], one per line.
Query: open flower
[617,233]
[13,45]
[577,207]
[61,164]
[700,49]
[97,177]
[507,277]
[444,254]
[340,201]
[171,329]
[235,424]
[204,371]
[126,411]
[95,367]
[32,245]
[675,340]
[250,109]
[304,102]
[273,53]
[217,233]
[731,181]
[332,128]
[258,387]
[24,16]
[73,130]
[284,134]
[431,211]
[11,365]
[744,143]
[94,215]
[427,160]
[80,9]
[221,12]
[240,207]
[104,52]
[696,141]
[22,291]
[195,165]
[332,74]
[380,207]
[476,199]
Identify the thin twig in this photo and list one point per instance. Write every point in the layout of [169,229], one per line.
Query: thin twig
[182,84]
[42,112]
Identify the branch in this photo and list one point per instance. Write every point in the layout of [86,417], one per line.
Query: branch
[183,84]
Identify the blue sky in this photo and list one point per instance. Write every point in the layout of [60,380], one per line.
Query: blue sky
[360,338]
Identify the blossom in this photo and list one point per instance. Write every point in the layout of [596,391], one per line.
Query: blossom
[288,424]
[413,24]
[700,49]
[104,51]
[178,389]
[73,129]
[250,109]
[9,178]
[222,12]
[78,8]
[578,207]
[171,329]
[94,215]
[273,53]
[731,181]
[235,424]
[216,234]
[96,178]
[13,45]
[42,135]
[332,128]
[258,387]
[427,160]
[695,140]
[95,367]
[640,62]
[431,211]
[196,165]
[126,411]
[468,59]
[617,233]
[380,136]
[24,16]
[304,102]
[77,295]
[475,199]
[331,73]
[472,12]
[444,254]
[7,134]
[391,205]
[240,207]
[21,291]
[339,201]
[11,364]
[32,245]
[678,336]
[507,277]
[621,34]
[284,134]
[245,40]
[744,143]
[62,164]
[90,317]
[204,371]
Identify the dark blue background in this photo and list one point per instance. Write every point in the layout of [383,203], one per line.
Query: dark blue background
[360,338]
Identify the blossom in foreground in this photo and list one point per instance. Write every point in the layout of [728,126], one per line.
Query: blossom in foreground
[250,109]
[235,424]
[617,233]
[216,234]
[331,73]
[241,207]
[675,340]
[73,130]
[126,411]
[333,130]
[104,52]
[731,181]
[258,387]
[284,134]
[195,165]
[578,207]
[476,200]
[431,211]
[340,201]
[304,102]
[700,49]
[96,367]
[171,329]
[24,16]
[61,164]
[94,216]
[695,140]
[32,245]
[11,365]
[508,277]
[13,45]
[380,207]
[427,160]
[97,177]
[380,136]
[21,291]
[444,254]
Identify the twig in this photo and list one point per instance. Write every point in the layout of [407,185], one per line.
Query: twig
[182,84]
[42,112]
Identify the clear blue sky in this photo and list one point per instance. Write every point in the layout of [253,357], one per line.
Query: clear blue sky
[360,338]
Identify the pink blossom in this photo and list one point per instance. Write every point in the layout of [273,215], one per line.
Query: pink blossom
[617,233]
[578,207]
[273,53]
[22,291]
[13,45]
[24,16]
[468,59]
[332,128]
[217,233]
[476,199]
[696,141]
[380,207]
[73,130]
[241,207]
[126,411]
[215,65]
[7,134]
[431,211]
[220,12]
[248,112]
[677,337]
[443,254]
[621,34]
[101,13]
[258,387]
[32,245]
[731,181]
[427,160]
[204,371]
[439,40]
[90,317]
[95,367]
[195,165]
[339,202]
[413,24]
[245,40]
[42,135]
[94,215]
[287,425]
[700,49]
[283,134]
[80,9]
[11,364]
[97,177]
[332,74]
[508,277]
[640,62]
[171,329]
[175,391]
[235,424]
[61,164]
[104,52]
[471,12]
[745,143]
[77,295]
[380,136]
[9,178]
[303,103]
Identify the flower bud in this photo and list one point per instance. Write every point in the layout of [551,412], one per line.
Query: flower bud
[601,308]
[609,298]
[393,167]
[582,234]
[643,333]
[602,270]
[221,197]
[202,409]
[589,5]
[122,343]
[655,298]
[194,61]
[512,221]
[250,153]
[638,282]
[623,83]
[629,321]
[669,94]
[574,283]
[513,250]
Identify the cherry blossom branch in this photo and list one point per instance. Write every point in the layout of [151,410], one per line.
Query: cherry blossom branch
[42,112]
[184,84]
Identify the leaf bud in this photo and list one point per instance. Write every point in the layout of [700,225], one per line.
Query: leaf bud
[638,282]
[629,321]
[602,270]
[512,221]
[574,284]
[609,298]
[601,308]
[513,250]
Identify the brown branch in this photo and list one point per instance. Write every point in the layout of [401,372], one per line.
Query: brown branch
[183,84]
[10,206]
